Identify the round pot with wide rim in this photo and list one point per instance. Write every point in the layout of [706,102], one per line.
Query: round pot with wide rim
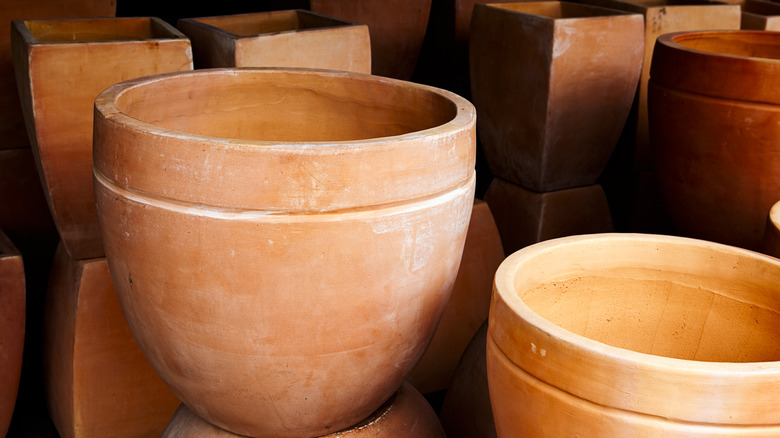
[283,241]
[715,129]
[635,335]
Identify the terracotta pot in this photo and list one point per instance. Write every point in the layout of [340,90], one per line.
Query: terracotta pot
[772,234]
[294,38]
[12,317]
[536,68]
[407,414]
[303,226]
[61,66]
[665,16]
[525,217]
[468,305]
[760,15]
[635,335]
[714,113]
[97,380]
[397,30]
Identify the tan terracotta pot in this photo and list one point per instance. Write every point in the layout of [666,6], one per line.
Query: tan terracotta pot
[397,30]
[61,66]
[97,380]
[293,38]
[407,414]
[772,233]
[714,112]
[12,318]
[536,69]
[665,16]
[760,15]
[303,226]
[635,335]
[468,305]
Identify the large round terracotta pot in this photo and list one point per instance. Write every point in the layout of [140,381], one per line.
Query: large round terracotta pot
[635,335]
[715,129]
[283,242]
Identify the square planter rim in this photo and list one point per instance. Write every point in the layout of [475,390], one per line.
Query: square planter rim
[605,13]
[31,40]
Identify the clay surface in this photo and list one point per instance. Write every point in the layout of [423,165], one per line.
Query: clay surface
[293,38]
[12,318]
[772,233]
[760,15]
[316,220]
[641,335]
[553,84]
[61,66]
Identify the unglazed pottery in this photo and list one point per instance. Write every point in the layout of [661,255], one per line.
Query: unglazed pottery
[772,234]
[635,335]
[760,15]
[12,131]
[12,317]
[293,38]
[407,414]
[525,217]
[665,16]
[714,117]
[397,30]
[97,380]
[283,242]
[61,66]
[553,84]
[468,305]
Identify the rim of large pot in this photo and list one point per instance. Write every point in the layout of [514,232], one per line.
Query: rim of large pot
[720,63]
[606,374]
[346,174]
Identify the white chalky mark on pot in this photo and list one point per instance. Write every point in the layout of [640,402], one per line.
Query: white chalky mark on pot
[533,348]
[543,352]
[563,42]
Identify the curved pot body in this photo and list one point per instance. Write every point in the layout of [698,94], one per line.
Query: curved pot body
[635,335]
[12,318]
[715,119]
[772,233]
[283,242]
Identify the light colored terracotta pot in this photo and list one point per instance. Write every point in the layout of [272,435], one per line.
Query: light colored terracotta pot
[292,38]
[760,15]
[397,30]
[407,414]
[61,66]
[525,217]
[12,317]
[714,114]
[553,84]
[665,16]
[283,242]
[772,233]
[97,380]
[635,335]
[468,305]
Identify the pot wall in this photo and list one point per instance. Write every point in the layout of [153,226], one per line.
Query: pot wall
[12,317]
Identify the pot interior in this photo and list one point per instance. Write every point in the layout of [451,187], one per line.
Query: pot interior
[271,22]
[736,43]
[557,9]
[286,105]
[94,30]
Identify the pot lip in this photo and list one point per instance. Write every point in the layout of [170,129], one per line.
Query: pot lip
[671,40]
[504,287]
[105,104]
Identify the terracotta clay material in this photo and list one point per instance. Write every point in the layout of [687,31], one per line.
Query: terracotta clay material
[525,217]
[760,15]
[61,66]
[772,233]
[714,112]
[536,69]
[635,335]
[397,30]
[407,414]
[468,305]
[97,380]
[294,232]
[665,16]
[294,38]
[462,11]
[12,317]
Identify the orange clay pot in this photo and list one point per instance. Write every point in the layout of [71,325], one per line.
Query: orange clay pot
[407,414]
[772,233]
[283,242]
[635,335]
[294,38]
[12,317]
[61,66]
[715,130]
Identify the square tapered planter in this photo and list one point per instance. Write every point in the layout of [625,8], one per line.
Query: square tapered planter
[61,66]
[293,38]
[760,15]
